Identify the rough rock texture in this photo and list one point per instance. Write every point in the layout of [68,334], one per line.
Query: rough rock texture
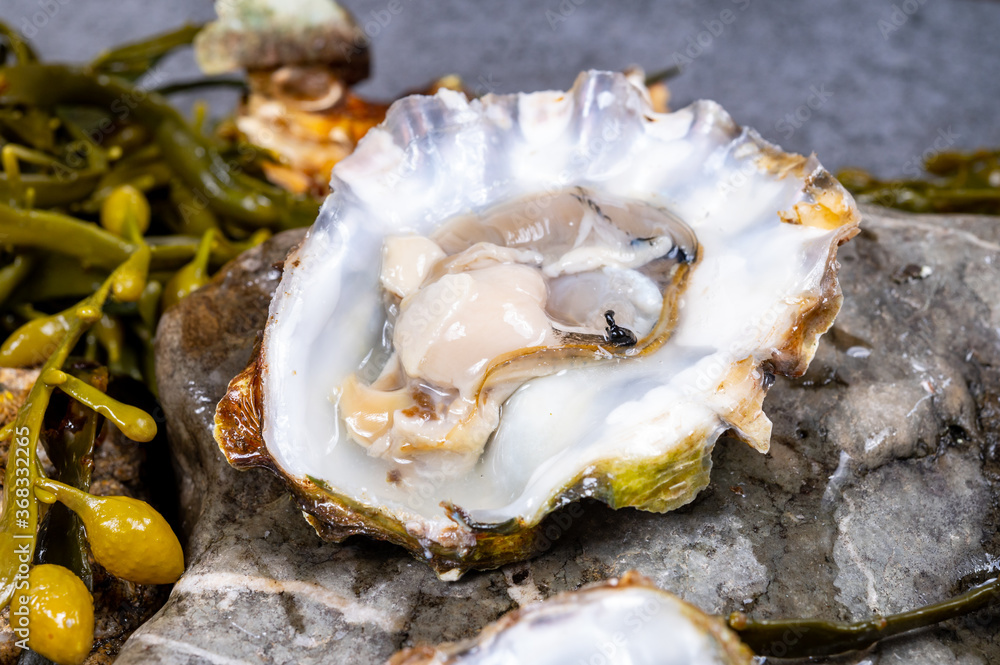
[879,492]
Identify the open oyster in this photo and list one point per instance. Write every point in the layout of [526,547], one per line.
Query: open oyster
[627,620]
[515,302]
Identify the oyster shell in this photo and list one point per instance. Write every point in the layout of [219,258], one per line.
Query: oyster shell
[301,58]
[627,620]
[713,252]
[268,34]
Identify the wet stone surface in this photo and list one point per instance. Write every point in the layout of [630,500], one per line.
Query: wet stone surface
[879,493]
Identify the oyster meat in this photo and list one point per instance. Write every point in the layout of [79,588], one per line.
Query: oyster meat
[511,303]
[627,621]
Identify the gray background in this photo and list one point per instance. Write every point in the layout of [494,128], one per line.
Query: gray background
[887,80]
[868,83]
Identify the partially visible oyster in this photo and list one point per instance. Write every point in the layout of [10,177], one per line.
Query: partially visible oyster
[261,35]
[301,58]
[512,303]
[625,621]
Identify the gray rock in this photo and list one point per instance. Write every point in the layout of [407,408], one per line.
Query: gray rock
[877,495]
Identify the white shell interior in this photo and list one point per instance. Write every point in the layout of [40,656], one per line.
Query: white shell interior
[614,626]
[437,157]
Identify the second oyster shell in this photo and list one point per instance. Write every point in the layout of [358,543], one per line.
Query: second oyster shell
[626,620]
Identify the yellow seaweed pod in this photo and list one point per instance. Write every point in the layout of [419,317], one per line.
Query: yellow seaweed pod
[111,334]
[125,204]
[130,278]
[34,342]
[134,423]
[60,614]
[191,277]
[127,536]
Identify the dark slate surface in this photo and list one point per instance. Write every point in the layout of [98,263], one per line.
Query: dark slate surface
[878,494]
[875,84]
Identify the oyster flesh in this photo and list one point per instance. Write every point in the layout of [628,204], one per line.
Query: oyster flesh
[625,620]
[511,303]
